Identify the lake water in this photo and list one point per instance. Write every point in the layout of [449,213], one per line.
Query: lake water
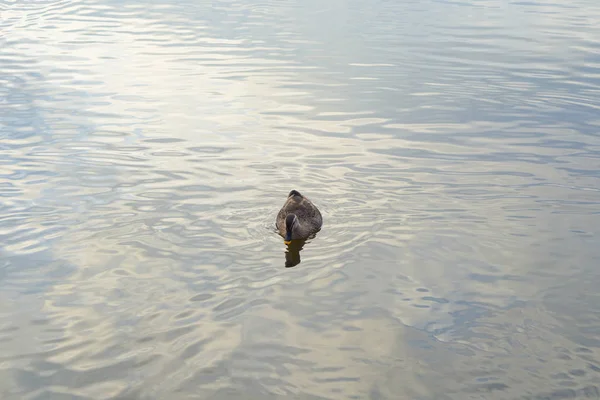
[453,148]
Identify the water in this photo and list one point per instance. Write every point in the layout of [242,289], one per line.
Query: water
[453,148]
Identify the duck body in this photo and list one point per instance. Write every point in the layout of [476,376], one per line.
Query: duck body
[299,218]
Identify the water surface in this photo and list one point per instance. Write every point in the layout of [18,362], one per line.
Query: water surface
[453,149]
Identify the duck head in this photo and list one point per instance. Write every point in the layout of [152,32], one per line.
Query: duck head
[291,222]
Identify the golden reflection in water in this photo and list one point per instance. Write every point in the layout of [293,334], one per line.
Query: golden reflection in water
[292,253]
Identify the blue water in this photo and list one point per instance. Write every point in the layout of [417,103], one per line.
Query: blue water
[453,148]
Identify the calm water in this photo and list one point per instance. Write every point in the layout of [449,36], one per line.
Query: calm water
[452,146]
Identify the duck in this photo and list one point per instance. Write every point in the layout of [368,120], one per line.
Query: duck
[299,218]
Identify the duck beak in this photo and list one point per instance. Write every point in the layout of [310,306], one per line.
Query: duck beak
[288,238]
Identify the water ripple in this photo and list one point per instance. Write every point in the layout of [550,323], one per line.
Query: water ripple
[146,148]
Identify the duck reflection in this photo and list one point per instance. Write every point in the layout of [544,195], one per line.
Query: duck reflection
[292,252]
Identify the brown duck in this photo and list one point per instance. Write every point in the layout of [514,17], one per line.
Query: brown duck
[298,218]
